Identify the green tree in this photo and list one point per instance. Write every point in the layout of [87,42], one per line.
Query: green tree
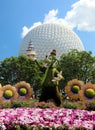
[8,70]
[77,65]
[15,69]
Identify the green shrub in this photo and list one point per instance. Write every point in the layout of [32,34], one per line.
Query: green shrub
[16,104]
[20,103]
[70,105]
[90,106]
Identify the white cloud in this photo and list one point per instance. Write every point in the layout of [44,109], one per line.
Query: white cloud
[51,17]
[81,16]
[25,30]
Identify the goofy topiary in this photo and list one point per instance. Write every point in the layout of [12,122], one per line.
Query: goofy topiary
[50,81]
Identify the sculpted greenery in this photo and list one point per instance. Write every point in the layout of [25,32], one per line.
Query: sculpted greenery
[74,65]
[50,81]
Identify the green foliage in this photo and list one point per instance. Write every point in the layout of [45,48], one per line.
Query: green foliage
[6,105]
[18,127]
[90,106]
[16,104]
[20,103]
[21,68]
[51,93]
[70,105]
[50,81]
[77,65]
[8,94]
[89,93]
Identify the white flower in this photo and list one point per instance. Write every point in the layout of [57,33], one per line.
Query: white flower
[58,78]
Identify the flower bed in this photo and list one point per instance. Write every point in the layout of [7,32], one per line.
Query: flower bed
[46,118]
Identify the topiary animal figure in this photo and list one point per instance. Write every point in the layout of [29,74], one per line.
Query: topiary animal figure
[51,80]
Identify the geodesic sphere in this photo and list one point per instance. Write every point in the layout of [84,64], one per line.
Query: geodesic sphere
[47,37]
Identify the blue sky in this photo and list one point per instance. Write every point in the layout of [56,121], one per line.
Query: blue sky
[17,17]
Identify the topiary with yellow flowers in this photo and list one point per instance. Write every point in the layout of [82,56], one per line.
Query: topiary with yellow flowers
[9,92]
[87,94]
[24,90]
[73,87]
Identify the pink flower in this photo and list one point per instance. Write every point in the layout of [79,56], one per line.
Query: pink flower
[50,117]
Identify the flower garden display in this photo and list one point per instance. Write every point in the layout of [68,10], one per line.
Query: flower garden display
[50,118]
[50,112]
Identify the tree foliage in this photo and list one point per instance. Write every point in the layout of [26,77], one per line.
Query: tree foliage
[78,65]
[74,65]
[15,69]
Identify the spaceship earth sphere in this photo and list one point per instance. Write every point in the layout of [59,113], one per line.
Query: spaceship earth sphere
[47,37]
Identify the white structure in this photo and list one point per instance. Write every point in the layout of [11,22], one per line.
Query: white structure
[47,37]
[30,52]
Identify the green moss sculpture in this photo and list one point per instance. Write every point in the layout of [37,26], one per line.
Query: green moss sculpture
[51,80]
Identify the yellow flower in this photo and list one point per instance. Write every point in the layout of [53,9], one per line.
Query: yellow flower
[24,90]
[73,87]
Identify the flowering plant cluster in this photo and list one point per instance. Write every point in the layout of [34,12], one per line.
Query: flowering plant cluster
[77,90]
[50,118]
[21,90]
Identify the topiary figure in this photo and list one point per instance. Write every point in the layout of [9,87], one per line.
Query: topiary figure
[51,80]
